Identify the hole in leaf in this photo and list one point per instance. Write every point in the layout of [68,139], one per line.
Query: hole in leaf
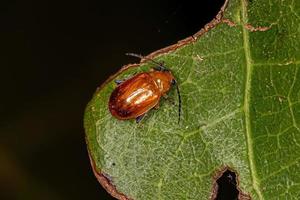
[227,186]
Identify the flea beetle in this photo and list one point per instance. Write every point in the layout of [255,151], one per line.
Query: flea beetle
[134,97]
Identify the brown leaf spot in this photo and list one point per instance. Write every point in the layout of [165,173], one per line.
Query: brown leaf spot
[228,22]
[258,28]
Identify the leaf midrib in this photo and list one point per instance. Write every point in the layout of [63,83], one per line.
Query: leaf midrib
[249,68]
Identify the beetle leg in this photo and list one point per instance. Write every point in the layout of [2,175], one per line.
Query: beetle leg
[139,118]
[118,82]
[157,106]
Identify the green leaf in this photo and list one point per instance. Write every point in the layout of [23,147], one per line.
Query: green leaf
[240,84]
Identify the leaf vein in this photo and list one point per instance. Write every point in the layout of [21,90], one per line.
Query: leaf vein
[281,169]
[249,66]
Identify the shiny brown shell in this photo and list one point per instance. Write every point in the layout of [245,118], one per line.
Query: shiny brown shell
[137,95]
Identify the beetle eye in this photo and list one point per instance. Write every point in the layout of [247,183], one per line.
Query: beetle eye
[173,82]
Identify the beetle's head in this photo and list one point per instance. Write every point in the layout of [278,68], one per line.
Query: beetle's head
[163,79]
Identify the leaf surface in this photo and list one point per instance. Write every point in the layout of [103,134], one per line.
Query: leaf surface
[240,86]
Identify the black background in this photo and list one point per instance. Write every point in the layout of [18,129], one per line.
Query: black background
[53,55]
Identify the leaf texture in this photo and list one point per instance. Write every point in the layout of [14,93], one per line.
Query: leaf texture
[240,84]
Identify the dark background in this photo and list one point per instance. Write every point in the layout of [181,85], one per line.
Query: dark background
[53,55]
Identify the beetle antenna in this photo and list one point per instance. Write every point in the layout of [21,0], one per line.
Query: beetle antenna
[179,103]
[143,57]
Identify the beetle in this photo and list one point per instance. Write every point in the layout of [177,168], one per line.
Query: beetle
[134,97]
